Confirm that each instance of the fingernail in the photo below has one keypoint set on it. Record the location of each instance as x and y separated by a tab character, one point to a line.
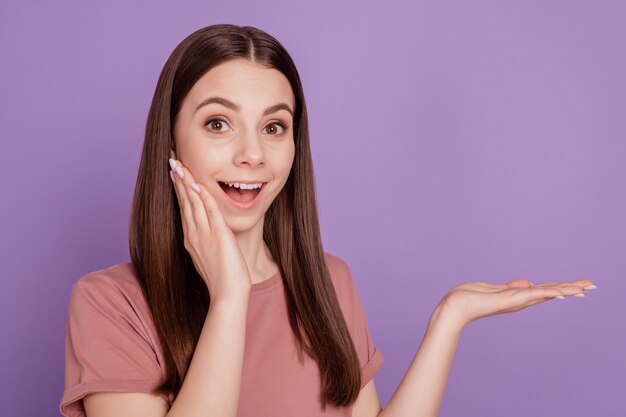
180	172
172	175
579	295
590	287
172	163
195	187
560	296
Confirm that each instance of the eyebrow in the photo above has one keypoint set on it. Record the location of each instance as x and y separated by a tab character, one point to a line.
236	107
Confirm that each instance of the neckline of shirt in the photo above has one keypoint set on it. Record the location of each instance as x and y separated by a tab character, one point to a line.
266	285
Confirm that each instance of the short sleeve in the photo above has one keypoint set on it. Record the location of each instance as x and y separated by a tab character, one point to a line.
106	345
370	356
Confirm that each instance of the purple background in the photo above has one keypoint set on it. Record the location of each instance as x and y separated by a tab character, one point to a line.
453	141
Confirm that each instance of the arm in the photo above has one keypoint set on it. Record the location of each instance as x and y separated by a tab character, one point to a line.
216	368
421	390
217	363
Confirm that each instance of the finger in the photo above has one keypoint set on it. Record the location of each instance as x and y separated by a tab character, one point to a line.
580	283
523	305
571	290
531	303
514	297
578	288
186	211
489	287
537	292
215	215
173	176
198	210
482	286
551	284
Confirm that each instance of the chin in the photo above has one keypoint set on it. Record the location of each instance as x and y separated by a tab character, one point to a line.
240	224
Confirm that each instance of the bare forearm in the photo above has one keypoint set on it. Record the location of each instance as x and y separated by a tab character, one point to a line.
212	384
421	390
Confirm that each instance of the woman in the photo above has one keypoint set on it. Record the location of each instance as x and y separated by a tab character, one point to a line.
228	279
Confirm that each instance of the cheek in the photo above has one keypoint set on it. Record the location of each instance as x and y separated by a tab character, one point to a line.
204	165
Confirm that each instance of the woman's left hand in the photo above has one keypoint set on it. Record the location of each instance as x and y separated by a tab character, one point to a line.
473	300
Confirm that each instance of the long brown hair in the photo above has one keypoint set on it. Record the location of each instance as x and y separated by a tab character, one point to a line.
176	294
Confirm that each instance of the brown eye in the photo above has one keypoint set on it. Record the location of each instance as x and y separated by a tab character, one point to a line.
217	122
279	123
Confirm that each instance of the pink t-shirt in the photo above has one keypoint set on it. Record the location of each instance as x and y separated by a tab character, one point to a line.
112	345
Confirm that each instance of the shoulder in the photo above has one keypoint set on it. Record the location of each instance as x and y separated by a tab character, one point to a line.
111	290
110	301
111	343
341	276
334	261
115	279
338	268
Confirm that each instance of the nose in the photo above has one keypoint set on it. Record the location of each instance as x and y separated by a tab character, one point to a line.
250	150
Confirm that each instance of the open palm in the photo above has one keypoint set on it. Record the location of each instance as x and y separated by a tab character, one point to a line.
473	300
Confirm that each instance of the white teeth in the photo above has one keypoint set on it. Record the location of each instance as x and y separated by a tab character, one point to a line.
244	186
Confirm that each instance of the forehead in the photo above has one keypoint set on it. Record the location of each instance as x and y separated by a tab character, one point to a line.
252	85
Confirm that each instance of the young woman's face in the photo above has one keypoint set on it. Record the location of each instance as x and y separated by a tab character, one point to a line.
219	143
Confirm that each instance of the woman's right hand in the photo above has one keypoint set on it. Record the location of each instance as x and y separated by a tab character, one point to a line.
208	239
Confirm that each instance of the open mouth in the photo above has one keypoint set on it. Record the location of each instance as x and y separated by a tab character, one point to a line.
240	195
